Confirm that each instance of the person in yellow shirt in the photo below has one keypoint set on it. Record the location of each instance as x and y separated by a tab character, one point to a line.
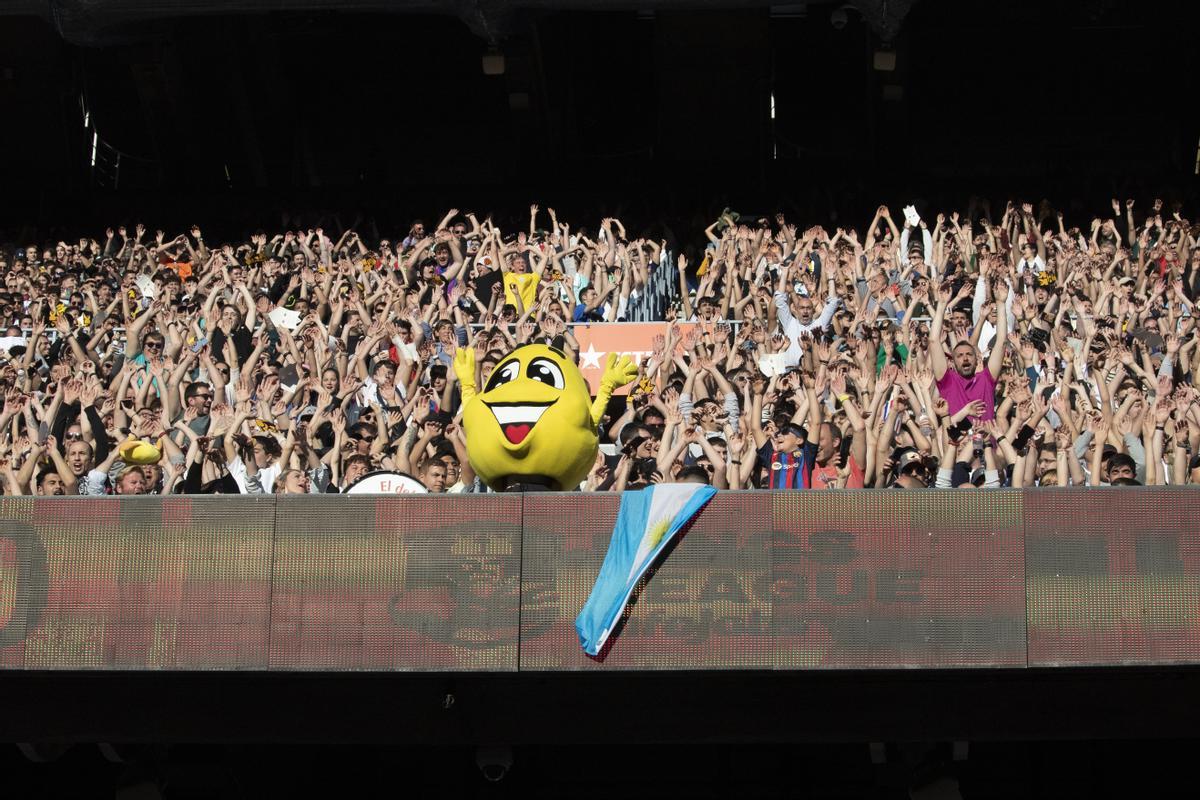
521	282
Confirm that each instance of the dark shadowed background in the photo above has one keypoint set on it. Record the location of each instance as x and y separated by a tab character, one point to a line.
230	114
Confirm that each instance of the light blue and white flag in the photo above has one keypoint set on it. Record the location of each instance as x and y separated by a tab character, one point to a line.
646	523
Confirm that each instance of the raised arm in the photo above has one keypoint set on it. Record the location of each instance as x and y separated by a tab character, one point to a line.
937	356
996	357
617	373
681	264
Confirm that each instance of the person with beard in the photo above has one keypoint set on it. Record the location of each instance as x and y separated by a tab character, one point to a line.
828	467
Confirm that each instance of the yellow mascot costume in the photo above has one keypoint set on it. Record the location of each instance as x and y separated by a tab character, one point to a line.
533	422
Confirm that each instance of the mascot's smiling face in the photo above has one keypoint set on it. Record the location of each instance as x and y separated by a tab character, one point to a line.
533	418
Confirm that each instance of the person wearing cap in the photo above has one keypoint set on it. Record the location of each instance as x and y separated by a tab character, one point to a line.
910	469
788	455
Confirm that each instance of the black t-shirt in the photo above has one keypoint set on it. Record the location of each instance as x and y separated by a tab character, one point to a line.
241	343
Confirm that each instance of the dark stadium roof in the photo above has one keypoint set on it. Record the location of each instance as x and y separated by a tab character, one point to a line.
101	22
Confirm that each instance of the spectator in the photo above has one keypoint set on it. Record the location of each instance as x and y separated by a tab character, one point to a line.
961	351
965	381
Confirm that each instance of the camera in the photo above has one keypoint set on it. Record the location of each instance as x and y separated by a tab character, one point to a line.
494	761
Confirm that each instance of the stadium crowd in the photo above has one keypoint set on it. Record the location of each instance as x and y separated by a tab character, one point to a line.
955	350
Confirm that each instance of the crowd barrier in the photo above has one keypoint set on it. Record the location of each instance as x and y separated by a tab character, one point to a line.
761	580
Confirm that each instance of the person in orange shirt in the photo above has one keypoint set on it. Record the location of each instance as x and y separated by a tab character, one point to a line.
833	461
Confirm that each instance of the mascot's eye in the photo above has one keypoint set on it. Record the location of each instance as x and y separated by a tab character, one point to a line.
546	371
504	374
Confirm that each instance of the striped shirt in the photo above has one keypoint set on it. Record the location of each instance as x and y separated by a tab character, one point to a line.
789	470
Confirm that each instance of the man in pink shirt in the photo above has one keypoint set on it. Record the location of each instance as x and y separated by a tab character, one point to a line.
963	383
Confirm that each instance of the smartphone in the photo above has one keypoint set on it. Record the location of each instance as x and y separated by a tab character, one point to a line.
199	345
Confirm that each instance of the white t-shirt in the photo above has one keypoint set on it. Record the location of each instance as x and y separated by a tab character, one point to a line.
369	392
237	469
1038	264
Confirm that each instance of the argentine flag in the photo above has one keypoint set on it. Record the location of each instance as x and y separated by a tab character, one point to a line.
646	523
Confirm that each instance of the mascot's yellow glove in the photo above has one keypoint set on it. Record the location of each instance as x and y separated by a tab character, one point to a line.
617	373
464	369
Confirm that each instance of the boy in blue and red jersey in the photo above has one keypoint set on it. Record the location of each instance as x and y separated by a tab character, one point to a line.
789	458
788	455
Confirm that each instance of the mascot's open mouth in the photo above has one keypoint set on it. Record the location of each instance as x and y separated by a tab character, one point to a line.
517	419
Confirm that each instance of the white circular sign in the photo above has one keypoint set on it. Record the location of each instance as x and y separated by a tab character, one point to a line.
385	482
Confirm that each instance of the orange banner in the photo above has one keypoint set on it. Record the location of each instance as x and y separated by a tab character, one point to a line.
633	339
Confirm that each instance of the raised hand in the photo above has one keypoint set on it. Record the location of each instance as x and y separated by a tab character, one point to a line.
1059	403
13	402
1162	410
618	372
71	391
975	408
221	415
89	393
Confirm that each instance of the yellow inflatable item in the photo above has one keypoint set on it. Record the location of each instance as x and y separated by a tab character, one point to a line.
135	451
533	420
